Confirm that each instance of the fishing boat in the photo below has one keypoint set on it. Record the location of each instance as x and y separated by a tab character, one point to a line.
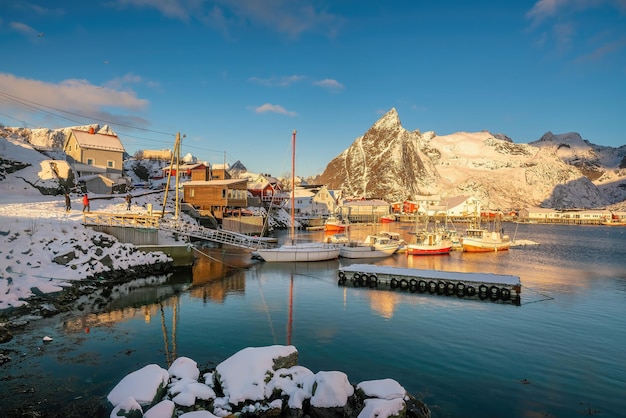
614	220
371	247
480	240
429	240
430	243
334	224
307	251
387	218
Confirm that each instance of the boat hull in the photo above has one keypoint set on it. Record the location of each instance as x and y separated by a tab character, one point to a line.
297	253
412	249
367	251
484	247
335	228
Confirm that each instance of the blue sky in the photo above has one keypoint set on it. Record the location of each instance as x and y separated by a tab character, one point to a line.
236	77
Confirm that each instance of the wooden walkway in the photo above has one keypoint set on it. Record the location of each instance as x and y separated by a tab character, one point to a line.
176	226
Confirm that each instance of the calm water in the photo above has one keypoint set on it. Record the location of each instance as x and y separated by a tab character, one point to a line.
560	353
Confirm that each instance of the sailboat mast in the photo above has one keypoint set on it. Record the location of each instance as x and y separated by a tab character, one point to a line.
293	184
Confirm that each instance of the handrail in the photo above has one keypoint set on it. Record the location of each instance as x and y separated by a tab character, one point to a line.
180	227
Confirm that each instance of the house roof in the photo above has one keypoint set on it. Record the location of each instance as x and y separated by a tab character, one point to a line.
98	141
227	182
182	167
455	201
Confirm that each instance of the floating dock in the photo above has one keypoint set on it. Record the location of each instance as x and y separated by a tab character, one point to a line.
495	287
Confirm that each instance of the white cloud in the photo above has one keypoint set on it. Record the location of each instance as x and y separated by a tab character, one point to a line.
268	107
285	81
282	16
175	9
329	84
22	28
24	97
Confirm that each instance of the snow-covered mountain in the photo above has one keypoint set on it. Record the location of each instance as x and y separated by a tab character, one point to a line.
558	171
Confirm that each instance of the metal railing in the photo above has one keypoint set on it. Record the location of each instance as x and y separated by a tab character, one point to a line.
176	226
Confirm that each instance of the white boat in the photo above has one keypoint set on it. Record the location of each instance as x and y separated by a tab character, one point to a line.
372	247
306	251
309	251
337	239
480	240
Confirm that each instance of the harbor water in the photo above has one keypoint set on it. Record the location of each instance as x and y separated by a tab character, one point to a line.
560	353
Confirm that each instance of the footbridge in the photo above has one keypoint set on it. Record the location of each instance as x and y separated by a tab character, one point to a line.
135	227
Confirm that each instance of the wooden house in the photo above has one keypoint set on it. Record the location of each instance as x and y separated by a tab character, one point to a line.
193	171
97	160
267	188
323	202
216	197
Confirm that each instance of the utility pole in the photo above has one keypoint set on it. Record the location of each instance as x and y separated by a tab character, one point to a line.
175	156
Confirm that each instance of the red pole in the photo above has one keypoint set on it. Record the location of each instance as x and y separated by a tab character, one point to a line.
293	184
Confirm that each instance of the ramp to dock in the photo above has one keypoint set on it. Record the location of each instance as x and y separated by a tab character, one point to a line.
216	235
106	222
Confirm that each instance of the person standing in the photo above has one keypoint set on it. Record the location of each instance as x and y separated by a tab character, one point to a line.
86	203
68	202
129	200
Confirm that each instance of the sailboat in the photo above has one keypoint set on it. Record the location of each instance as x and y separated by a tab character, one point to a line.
308	251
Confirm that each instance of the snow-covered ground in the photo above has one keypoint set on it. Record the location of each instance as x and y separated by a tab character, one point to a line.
250	381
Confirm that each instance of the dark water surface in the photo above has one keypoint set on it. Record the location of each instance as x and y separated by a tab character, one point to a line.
561	353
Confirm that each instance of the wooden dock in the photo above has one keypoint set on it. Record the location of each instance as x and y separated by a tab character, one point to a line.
484	286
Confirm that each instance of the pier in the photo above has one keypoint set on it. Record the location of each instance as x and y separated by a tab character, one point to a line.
483	286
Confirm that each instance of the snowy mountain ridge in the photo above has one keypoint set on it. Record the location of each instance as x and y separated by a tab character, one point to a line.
558	171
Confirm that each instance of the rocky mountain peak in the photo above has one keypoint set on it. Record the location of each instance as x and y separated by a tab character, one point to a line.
556	171
389	121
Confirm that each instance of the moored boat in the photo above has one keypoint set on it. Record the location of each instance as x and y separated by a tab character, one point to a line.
372	247
429	243
477	240
310	251
334	224
388	218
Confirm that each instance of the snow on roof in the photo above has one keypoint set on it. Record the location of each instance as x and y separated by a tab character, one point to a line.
98	141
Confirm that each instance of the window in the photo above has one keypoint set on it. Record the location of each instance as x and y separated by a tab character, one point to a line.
110	164
223	193
89	161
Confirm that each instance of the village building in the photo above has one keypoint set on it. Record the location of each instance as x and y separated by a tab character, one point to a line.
267	188
219	172
215	197
303	205
188	171
162	155
461	207
97	159
572	216
364	210
323	202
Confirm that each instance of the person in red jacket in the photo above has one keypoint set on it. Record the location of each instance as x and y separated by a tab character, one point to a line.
86	203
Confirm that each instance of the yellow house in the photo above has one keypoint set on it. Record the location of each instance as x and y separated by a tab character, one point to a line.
94	153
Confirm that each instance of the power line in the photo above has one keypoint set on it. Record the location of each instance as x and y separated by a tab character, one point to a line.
32	104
